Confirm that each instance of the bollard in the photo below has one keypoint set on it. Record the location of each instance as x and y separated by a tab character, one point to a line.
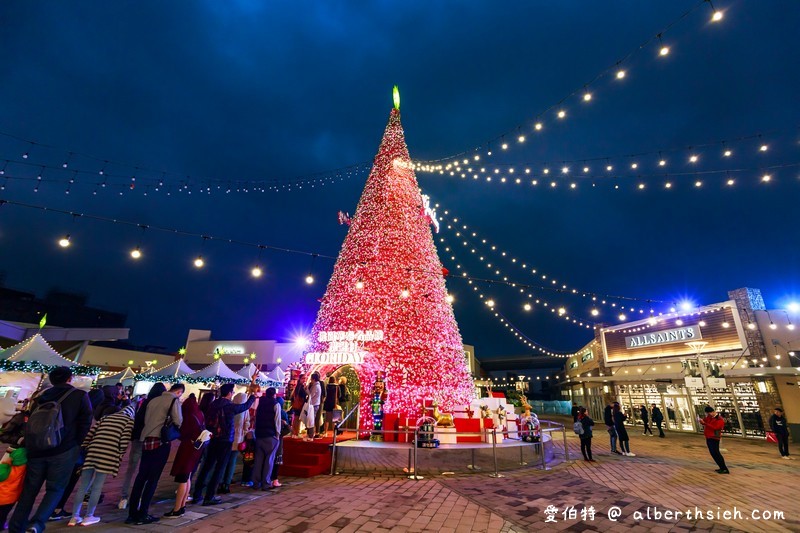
541	450
521	457
494	453
566	449
414	475
473	466
333	452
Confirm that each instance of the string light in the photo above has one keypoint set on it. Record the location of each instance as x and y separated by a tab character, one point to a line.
309	279
198	262
256	272
136	253
65	241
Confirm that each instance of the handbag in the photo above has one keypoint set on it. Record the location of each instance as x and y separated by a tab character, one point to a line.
169	431
772	437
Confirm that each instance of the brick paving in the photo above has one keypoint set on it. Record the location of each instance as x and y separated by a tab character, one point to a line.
374	493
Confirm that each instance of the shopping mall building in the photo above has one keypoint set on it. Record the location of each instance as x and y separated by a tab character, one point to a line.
735	355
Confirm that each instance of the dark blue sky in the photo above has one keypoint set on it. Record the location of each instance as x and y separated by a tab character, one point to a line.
258	90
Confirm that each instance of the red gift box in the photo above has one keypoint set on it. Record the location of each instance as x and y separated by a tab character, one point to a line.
390	423
405	424
468	425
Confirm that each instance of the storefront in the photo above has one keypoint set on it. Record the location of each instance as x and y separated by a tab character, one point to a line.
681	362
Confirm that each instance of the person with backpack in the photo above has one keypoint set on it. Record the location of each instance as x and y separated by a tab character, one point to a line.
658	419
105	446
60	419
713	424
586	424
162	412
12	475
219	421
268	435
622	434
135	447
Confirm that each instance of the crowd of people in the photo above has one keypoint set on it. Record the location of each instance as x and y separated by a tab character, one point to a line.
712	423
68	442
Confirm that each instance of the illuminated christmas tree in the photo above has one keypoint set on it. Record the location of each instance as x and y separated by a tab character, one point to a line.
386	302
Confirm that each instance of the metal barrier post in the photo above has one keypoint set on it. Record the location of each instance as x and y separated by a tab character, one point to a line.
541	450
333	451
473	466
521	457
414	476
494	453
566	449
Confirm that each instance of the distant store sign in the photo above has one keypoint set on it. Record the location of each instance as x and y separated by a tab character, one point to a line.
667	336
229	350
694	383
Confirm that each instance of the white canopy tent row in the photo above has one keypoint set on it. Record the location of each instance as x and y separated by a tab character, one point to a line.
127	377
24	366
265	380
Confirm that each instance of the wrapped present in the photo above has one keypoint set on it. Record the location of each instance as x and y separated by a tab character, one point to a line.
445	435
406	425
391	422
468	425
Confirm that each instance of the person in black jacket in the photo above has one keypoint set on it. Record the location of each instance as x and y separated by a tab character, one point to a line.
645	420
268	435
586	436
608	419
658	419
622	433
219	421
574	412
52	467
777	423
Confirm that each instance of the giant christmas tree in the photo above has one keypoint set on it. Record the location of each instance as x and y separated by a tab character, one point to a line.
386	308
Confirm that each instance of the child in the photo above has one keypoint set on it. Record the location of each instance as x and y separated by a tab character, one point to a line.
12	474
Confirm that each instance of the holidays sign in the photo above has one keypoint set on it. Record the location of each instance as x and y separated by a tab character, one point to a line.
667	336
344	347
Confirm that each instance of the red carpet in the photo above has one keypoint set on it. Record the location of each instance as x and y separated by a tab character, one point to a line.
308	459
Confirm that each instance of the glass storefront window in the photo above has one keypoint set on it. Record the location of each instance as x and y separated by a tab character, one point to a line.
748	409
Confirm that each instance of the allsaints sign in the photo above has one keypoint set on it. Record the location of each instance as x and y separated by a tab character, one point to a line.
667	336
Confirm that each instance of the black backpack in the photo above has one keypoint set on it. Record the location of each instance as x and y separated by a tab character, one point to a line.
45	425
215	421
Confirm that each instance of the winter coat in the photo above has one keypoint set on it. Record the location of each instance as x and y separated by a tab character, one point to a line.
76	413
619	425
241	422
222	411
658	417
138	420
107	441
12	476
778	424
109	405
332	393
188	456
268	419
712	427
587	424
608	418
644	414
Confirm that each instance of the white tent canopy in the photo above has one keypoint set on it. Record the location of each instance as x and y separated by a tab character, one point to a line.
174	370
126	375
216	371
247	372
35	350
277	374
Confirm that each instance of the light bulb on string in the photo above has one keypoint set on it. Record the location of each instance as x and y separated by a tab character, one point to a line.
359	284
309	279
199	262
136	253
65	241
256	272
450	298
621	74
405	293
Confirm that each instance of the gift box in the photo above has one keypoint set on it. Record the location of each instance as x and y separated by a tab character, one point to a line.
406	425
488	423
468	425
445	435
390	423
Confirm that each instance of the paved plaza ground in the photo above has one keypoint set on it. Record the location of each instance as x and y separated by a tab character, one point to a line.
374	494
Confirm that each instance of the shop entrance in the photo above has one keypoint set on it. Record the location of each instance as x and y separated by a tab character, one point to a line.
353	386
678	413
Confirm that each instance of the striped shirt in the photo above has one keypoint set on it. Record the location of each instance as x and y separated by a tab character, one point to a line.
107	441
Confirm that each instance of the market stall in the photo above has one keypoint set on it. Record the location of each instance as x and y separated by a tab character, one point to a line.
172	373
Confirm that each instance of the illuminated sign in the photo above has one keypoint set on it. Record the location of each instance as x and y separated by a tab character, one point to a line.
667	336
344	347
229	350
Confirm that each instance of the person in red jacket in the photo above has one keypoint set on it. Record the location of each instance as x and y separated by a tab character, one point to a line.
712	429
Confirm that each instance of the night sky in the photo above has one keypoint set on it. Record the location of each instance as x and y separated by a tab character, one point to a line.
251	90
